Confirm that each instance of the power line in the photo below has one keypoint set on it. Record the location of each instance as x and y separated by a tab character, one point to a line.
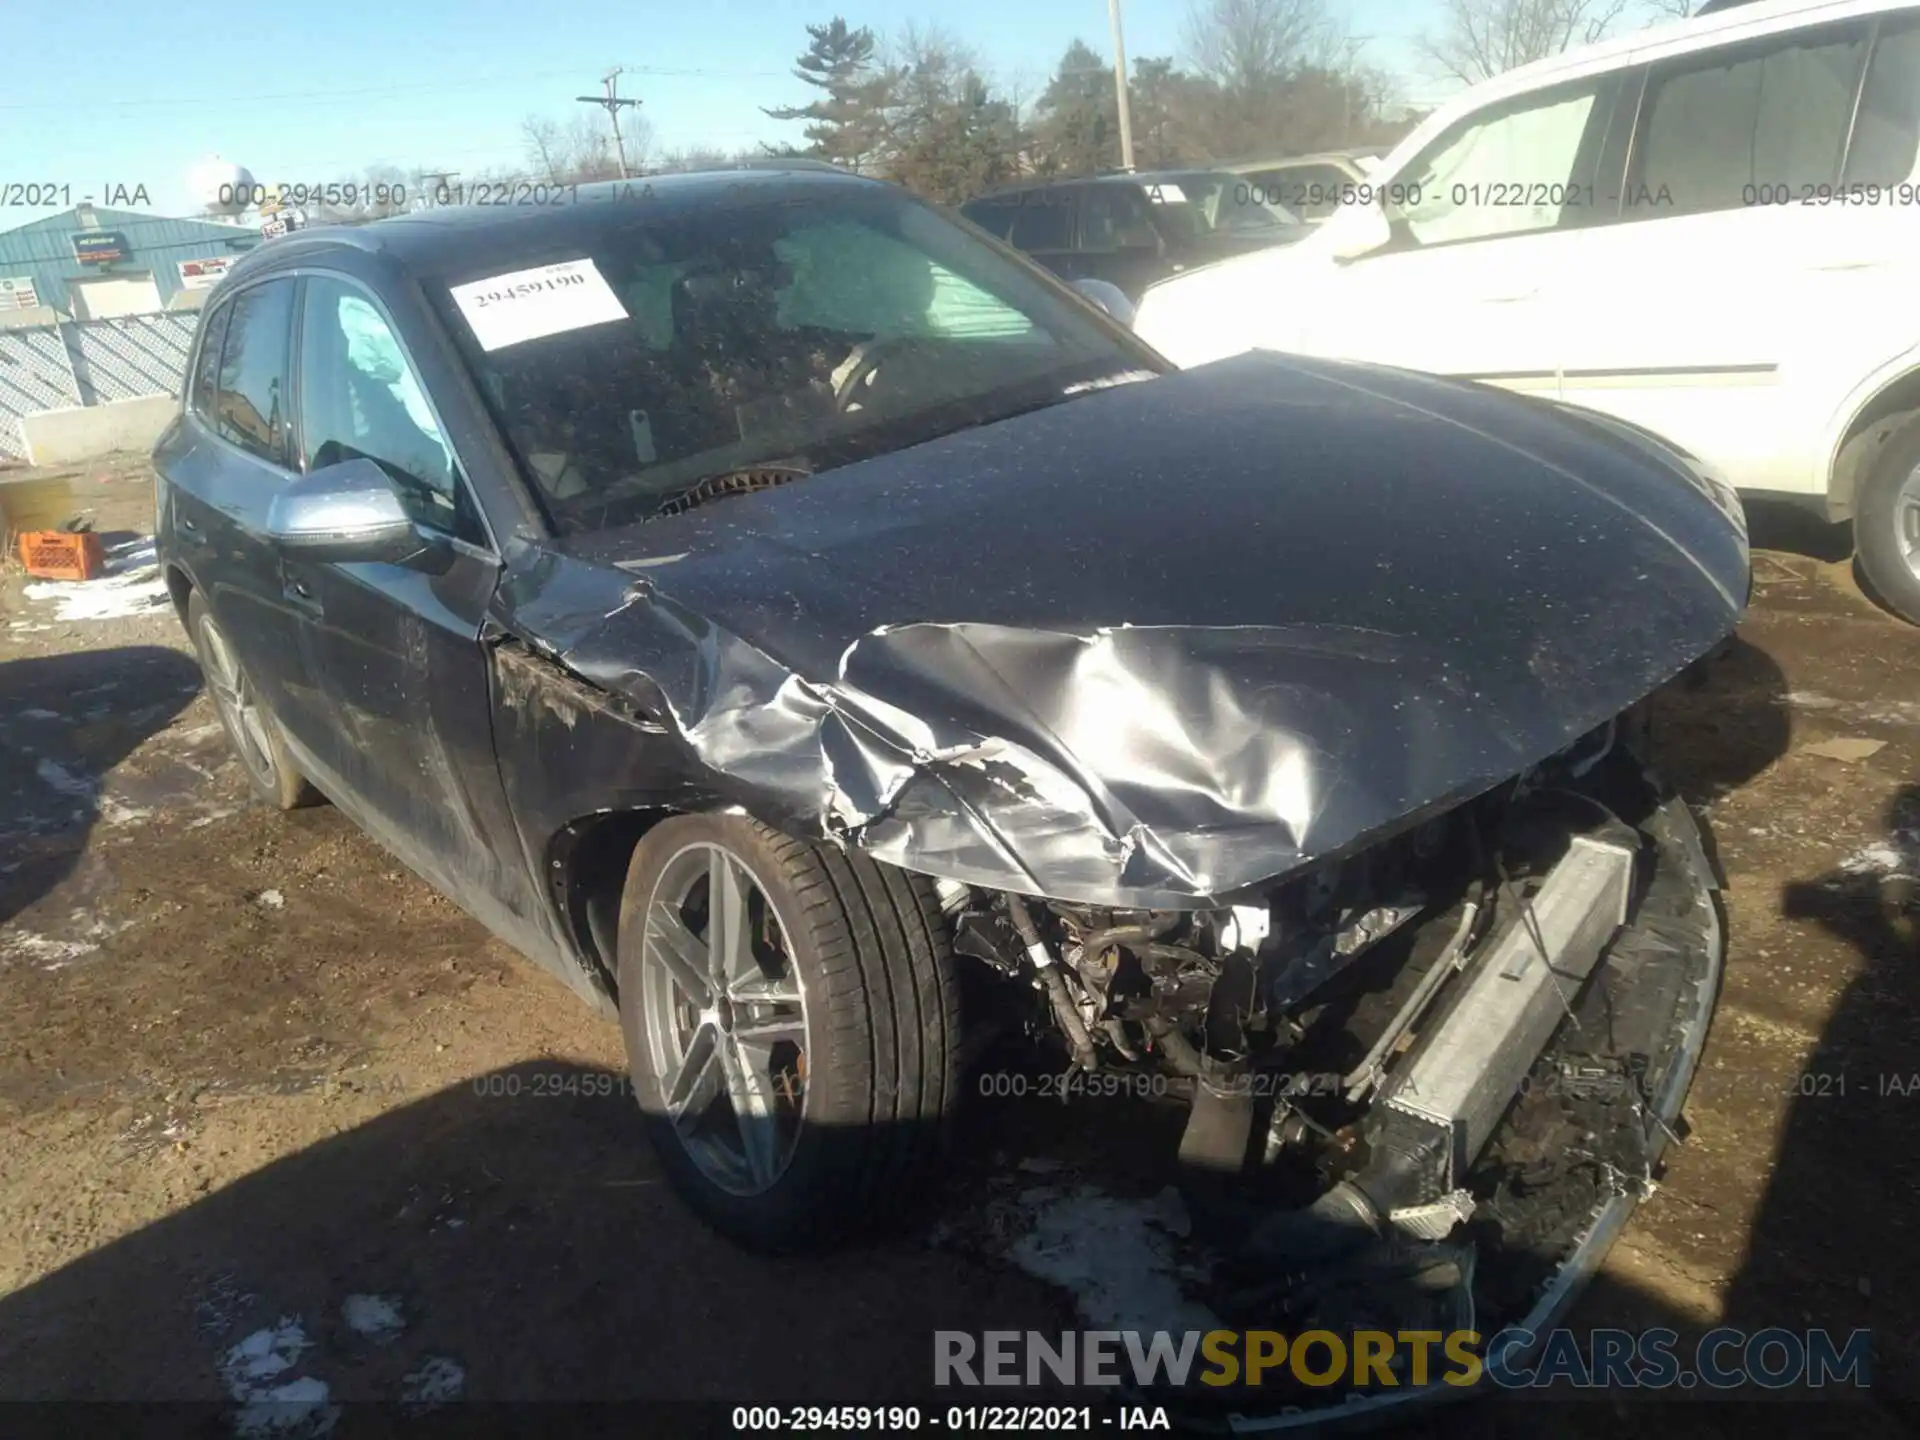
466	84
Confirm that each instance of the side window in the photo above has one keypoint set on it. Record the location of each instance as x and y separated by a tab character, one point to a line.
1732	128
1886	133
993	216
250	397
1525	166
1044	221
360	399
1114	217
206	371
1310	191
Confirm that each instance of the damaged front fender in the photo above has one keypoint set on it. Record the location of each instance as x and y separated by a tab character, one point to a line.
1027	709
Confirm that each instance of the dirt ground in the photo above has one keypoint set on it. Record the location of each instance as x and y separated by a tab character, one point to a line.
258	1081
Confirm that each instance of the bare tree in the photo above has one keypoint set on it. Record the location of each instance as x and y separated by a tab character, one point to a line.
1482	38
545	146
1658	10
582	149
1245	45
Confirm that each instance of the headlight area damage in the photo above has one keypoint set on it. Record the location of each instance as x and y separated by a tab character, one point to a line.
1400	906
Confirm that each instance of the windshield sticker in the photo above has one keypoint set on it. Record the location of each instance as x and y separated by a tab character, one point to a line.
1165	194
527	304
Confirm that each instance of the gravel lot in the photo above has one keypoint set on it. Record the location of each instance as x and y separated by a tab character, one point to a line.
272	1113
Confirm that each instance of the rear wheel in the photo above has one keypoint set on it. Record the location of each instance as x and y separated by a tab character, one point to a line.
251	729
792	1027
1886	524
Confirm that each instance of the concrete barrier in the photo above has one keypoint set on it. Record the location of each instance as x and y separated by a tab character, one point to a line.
86	432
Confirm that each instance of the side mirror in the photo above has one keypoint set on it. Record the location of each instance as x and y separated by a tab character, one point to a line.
1109	297
344	514
1356	230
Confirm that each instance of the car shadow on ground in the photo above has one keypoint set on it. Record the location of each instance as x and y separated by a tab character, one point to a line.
522	1231
66	722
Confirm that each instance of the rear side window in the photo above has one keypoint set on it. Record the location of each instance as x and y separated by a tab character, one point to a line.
1746	126
206	371
250	401
1886	133
993	216
1114	217
1044	221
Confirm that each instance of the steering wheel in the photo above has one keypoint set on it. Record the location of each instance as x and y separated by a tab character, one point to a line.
867	357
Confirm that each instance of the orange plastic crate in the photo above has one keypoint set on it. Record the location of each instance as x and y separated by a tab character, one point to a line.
60	555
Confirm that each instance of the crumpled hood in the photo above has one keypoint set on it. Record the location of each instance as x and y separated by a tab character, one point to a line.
1167	640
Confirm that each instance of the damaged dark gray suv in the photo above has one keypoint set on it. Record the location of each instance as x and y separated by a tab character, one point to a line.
784	613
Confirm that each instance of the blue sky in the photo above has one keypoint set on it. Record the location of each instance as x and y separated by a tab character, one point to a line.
127	92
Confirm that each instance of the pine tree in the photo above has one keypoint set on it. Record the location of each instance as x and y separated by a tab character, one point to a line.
1077	118
847	124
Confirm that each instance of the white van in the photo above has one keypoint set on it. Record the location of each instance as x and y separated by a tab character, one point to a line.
1710	229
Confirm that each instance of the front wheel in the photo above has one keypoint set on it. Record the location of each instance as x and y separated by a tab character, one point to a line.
792	1026
1886	524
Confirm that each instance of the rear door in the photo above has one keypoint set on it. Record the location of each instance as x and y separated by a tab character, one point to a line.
397	647
1765	255
224	466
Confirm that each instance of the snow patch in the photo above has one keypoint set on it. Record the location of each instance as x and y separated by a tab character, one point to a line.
270	1406
274	900
1898	856
44	950
434	1383
38	714
377	1317
131	586
63	781
1118	1258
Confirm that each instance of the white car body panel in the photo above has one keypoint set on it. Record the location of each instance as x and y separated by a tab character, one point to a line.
1749	336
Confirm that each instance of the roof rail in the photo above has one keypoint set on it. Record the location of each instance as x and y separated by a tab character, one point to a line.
770	162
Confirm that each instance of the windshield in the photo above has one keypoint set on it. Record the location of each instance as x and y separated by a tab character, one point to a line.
1196	204
798	333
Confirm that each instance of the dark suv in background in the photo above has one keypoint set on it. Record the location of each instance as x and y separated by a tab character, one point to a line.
1133	229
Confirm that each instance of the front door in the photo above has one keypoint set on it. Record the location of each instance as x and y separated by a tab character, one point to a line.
1476	280
397	647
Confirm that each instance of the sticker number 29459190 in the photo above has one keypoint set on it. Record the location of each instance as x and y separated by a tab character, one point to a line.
546	300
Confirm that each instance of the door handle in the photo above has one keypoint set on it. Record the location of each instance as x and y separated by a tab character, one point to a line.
1508	297
299	595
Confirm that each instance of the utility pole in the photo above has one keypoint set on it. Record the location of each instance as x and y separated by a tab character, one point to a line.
444	185
1347	78
1120	87
612	104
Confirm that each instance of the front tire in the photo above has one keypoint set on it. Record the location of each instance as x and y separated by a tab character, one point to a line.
792	1027
1886	524
252	732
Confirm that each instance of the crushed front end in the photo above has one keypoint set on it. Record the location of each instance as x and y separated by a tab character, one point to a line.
1427	1080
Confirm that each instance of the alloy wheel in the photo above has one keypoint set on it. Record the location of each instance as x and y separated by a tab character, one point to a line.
1906	512
239	707
726	1019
